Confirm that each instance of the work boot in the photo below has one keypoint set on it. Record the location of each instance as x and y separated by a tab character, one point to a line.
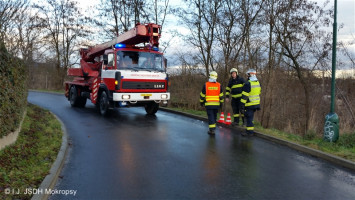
244	134
211	132
250	133
235	124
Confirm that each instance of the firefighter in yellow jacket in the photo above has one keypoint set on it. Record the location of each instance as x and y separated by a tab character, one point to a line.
250	100
211	97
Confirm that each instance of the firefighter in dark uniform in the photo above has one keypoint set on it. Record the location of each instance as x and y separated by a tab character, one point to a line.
250	100
211	97
234	89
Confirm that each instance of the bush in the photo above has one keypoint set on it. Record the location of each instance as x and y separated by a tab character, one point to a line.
310	135
347	140
13	91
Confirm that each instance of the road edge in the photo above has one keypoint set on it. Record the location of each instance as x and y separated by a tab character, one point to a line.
313	152
51	179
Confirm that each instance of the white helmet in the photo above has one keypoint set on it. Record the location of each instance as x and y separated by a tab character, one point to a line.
233	70
251	72
213	75
252	75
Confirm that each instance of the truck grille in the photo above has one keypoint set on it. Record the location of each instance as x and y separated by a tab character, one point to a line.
143	85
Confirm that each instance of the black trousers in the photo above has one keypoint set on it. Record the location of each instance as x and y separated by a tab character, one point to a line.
212	116
249	115
235	106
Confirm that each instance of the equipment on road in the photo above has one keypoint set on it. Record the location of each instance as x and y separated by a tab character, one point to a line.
126	71
229	120
221	118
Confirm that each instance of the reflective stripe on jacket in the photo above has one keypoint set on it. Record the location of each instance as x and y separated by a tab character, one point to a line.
251	94
211	94
234	87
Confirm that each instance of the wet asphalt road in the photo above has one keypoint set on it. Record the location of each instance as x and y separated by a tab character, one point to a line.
130	155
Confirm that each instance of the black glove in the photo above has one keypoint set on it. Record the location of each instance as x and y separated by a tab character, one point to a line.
202	104
221	105
258	109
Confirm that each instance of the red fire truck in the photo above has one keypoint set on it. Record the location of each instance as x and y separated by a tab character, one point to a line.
126	71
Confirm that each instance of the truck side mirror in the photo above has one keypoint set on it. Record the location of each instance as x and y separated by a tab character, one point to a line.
165	63
105	59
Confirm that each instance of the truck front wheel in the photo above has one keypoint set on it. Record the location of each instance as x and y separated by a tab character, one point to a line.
151	108
104	103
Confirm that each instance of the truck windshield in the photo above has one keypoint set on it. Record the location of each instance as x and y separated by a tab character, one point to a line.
140	61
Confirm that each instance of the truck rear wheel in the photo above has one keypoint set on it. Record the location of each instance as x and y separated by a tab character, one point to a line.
73	96
104	104
82	102
75	99
151	108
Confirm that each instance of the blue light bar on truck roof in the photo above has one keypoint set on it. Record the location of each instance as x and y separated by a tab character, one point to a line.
119	45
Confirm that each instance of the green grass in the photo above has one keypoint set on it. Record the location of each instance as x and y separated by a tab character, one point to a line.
201	113
26	163
344	147
44	90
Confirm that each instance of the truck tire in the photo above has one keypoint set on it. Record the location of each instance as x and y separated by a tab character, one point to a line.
104	104
151	108
75	99
82	102
73	96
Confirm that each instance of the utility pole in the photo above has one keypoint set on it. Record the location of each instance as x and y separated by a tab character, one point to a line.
331	126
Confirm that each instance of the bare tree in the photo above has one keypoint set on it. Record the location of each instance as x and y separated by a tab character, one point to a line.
118	16
273	61
350	55
63	26
230	33
201	20
251	10
10	11
298	28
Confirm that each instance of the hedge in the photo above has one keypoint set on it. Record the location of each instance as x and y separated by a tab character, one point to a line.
13	91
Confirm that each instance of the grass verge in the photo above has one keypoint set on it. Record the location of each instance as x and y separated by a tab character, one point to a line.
45	90
344	147
26	163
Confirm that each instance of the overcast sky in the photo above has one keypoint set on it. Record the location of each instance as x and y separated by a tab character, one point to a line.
345	17
346	13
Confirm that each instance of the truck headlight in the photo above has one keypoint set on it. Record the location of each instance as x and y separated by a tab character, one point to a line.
126	96
164	96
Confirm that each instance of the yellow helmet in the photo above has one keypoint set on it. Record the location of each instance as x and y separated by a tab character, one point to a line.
213	75
233	70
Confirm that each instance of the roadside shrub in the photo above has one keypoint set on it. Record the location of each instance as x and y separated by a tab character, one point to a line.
13	91
310	135
347	140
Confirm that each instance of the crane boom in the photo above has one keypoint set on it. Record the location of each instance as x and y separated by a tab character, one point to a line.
141	33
